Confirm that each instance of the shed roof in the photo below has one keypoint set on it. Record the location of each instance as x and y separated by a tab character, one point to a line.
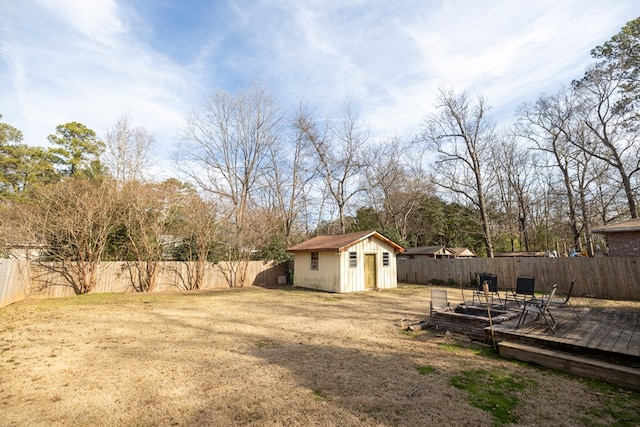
340	242
631	225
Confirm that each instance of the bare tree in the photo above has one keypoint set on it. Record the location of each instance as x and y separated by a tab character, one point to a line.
396	185
555	126
128	149
340	157
194	223
287	183
144	228
515	167
612	124
226	152
73	221
461	135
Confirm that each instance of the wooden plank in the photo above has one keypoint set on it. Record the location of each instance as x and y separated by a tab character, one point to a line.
610	331
616	374
572	338
598	329
633	345
622	343
623	330
570	331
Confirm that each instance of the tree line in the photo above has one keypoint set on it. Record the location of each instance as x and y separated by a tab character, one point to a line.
253	178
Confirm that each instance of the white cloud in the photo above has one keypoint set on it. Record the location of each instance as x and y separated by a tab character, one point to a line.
77	61
96	20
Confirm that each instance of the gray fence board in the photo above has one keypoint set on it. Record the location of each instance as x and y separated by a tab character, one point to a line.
602	277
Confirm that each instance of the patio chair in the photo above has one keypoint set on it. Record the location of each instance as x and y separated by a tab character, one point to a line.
478	291
541	308
439	299
525	286
564	302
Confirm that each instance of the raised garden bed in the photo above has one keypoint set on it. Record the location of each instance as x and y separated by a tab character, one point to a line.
469	320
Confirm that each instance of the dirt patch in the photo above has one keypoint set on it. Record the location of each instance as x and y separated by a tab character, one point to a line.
261	357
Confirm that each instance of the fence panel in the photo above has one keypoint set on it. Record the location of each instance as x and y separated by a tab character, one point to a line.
606	277
602	277
20	279
14	281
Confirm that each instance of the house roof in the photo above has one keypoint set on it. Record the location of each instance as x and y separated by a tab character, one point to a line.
340	242
631	225
462	252
519	254
428	250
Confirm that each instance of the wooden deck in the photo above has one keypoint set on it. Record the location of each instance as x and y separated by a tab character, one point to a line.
605	344
608	334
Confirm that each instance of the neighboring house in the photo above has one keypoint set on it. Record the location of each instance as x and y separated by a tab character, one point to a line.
28	251
623	239
346	262
427	252
462	253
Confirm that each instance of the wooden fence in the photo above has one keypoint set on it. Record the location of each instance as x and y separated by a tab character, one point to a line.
14	275
607	277
600	277
22	279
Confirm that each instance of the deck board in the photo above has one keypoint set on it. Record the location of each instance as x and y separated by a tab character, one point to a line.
610	330
633	344
626	334
593	325
608	333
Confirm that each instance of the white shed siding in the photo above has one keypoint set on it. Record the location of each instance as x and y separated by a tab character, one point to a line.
352	277
385	276
334	273
325	278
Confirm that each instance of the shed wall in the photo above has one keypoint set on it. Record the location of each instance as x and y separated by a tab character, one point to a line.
386	277
325	278
334	273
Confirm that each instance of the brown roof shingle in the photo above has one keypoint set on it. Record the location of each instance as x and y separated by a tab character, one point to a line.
340	242
631	225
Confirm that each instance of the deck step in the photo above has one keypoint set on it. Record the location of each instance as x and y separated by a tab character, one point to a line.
612	373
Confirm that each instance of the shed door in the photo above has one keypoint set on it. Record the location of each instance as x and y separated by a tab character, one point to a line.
370	271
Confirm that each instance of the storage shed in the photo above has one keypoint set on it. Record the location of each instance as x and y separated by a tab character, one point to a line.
346	262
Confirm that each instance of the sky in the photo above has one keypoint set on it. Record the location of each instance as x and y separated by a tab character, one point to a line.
158	60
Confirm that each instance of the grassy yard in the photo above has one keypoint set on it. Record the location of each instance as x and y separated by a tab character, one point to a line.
273	357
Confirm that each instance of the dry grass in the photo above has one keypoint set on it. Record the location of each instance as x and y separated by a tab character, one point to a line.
263	357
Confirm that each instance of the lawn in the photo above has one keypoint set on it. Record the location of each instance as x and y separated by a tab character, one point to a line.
259	357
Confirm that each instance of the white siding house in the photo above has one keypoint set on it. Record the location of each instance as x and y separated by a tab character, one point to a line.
346	262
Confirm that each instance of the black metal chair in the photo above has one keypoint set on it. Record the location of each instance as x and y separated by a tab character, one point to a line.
525	287
492	282
564	302
541	308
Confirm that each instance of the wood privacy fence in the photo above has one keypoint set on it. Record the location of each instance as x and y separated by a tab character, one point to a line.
601	277
21	279
607	277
